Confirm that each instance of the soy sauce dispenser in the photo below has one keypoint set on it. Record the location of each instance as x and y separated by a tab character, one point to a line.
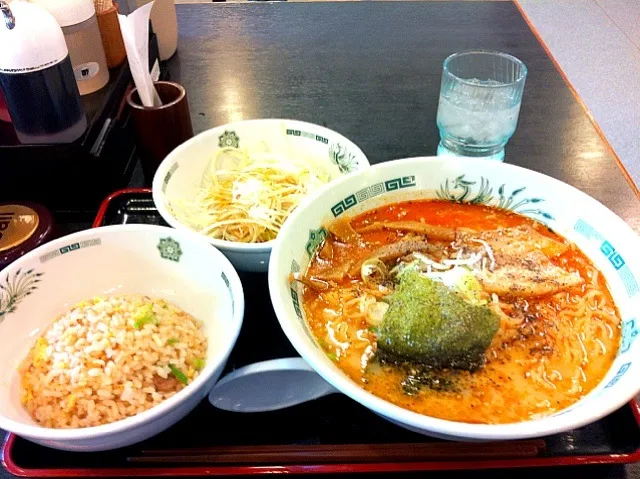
36	76
79	24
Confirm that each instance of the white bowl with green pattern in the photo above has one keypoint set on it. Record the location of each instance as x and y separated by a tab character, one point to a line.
180	174
605	238
147	260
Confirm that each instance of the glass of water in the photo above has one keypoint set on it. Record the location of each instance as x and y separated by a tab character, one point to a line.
479	103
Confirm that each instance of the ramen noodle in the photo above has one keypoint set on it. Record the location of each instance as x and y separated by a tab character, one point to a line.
462	312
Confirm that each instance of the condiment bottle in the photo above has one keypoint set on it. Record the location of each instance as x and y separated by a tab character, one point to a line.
112	41
36	76
82	34
165	26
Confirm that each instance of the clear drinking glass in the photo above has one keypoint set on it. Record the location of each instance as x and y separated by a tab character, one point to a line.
479	103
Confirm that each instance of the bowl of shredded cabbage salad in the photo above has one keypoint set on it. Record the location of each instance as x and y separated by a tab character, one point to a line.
236	184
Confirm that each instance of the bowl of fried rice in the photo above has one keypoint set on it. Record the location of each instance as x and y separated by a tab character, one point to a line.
110	336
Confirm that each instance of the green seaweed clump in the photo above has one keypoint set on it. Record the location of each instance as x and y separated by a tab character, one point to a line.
430	324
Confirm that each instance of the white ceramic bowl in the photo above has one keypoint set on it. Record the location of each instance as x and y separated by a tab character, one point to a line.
137	259
606	239
180	174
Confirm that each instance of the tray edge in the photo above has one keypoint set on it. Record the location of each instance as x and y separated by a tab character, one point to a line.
104	206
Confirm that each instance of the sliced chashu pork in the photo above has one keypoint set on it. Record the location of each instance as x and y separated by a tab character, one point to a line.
385	253
522	266
518	240
531	274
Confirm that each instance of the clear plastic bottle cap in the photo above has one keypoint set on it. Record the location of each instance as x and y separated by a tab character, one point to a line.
68	12
34	43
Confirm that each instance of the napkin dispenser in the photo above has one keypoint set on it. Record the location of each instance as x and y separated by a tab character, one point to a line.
76	177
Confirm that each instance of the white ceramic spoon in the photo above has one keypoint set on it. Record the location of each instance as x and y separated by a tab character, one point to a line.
269	386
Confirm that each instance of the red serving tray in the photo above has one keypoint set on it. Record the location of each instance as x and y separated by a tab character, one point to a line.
119	201
381	467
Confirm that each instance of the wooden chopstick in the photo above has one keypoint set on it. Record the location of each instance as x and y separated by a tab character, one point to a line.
282	454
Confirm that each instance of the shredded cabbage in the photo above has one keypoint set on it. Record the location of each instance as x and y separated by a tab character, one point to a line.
246	197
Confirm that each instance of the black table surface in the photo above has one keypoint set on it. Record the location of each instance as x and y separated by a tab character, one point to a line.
371	71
